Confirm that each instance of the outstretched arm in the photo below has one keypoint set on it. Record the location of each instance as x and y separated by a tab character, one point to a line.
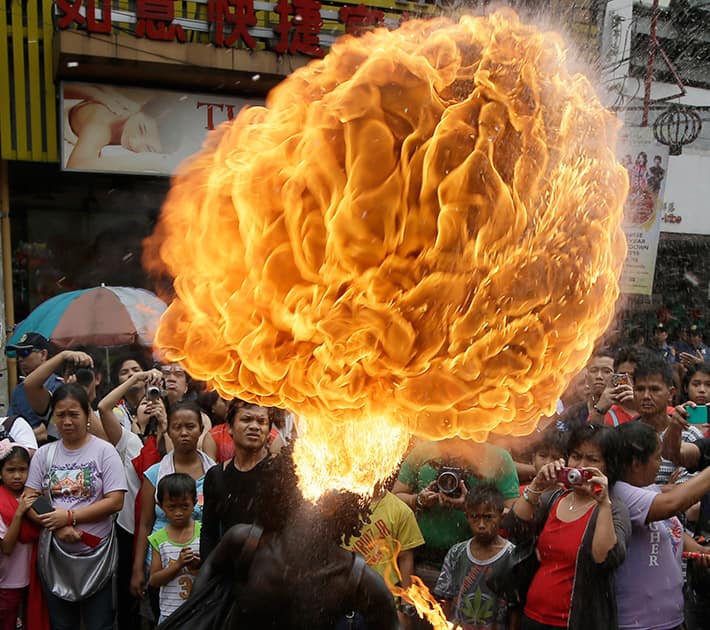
38	397
221	562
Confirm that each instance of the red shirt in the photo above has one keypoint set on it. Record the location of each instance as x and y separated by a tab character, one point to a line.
550	594
223	440
621	416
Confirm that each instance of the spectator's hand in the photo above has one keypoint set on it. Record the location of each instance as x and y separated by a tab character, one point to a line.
455	502
138	584
54	520
675	476
187	556
597	487
547	476
624	393
157	411
25	502
150	377
606	399
429	496
679	417
688	359
194	564
67	534
78	359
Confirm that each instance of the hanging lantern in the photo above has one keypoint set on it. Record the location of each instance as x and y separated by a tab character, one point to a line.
677	126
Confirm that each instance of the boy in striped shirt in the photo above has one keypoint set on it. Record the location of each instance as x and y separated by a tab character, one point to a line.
176	547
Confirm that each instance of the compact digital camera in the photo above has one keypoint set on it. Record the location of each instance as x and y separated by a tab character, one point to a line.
152	393
574	476
449	479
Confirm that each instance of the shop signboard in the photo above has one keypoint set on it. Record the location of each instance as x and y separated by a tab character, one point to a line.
305	27
647	164
687	194
117	129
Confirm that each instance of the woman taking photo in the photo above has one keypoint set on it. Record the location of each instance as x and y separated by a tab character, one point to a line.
649	585
184	429
581	537
82	476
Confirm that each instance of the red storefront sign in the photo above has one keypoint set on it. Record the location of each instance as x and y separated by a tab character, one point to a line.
298	29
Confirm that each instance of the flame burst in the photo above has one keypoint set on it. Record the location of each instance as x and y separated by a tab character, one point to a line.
417	234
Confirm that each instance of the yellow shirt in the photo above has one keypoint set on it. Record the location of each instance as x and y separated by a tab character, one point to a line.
391	522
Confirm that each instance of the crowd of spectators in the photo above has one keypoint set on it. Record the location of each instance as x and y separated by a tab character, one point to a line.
132	498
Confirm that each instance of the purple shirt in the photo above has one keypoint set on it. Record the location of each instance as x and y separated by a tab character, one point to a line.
79	478
649	584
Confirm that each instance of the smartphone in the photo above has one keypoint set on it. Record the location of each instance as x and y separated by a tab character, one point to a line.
42	505
619	379
697	415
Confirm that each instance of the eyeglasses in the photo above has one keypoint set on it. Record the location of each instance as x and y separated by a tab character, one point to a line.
23	353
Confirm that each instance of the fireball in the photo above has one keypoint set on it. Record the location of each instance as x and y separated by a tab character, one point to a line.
418	234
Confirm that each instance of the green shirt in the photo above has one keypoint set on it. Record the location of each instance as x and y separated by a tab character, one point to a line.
442	526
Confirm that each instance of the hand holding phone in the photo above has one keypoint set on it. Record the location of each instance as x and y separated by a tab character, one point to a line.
42	505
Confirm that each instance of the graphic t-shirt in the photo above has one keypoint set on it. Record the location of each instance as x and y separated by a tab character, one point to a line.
392	527
78	478
175	592
443	527
463	580
649	584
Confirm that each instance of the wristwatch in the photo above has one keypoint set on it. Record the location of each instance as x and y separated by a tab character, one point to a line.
528	498
600	411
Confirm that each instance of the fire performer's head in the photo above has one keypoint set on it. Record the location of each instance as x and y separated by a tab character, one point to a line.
424	235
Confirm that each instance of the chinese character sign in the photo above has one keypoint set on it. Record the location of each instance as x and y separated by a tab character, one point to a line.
155	20
298	28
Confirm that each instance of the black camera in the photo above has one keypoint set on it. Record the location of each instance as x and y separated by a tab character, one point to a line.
449	480
152	393
84	376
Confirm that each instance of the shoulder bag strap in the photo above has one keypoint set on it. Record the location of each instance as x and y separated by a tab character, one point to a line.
248	550
356	572
48	461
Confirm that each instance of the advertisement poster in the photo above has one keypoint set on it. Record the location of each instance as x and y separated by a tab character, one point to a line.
687	193
115	129
647	164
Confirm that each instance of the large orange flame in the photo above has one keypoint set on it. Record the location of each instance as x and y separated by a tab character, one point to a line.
419	232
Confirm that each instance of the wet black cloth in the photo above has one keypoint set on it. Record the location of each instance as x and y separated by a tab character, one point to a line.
229	496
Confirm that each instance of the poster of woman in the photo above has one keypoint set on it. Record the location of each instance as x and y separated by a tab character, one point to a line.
643	206
115	129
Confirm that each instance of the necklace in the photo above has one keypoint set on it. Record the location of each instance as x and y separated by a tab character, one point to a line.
572	504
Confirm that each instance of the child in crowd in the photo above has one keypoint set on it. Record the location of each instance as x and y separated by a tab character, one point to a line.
175	559
16	534
550	446
468	565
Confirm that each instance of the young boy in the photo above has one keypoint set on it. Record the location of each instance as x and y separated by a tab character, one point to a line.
467	566
176	547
